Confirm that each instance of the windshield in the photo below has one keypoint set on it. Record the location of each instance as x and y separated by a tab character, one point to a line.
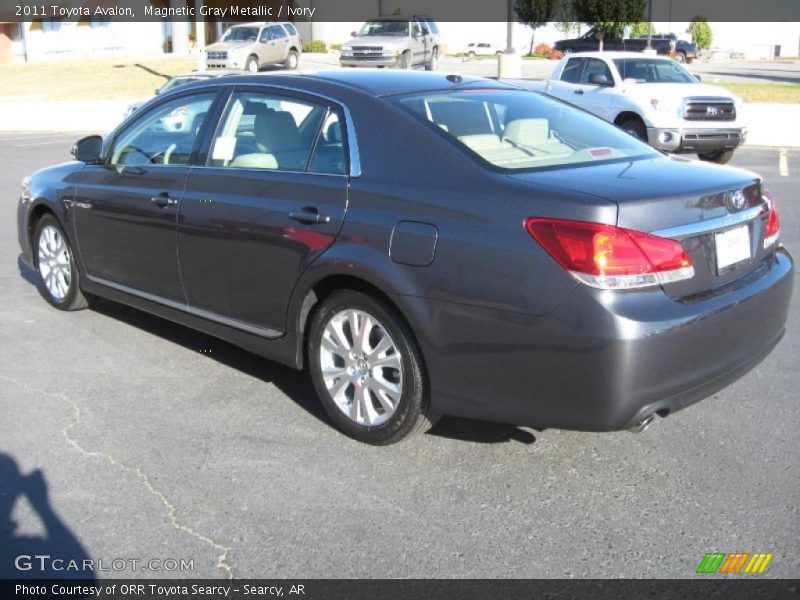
241	34
653	70
516	129
390	28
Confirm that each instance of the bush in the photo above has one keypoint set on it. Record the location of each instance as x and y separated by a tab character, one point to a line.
541	50
556	55
315	46
336	46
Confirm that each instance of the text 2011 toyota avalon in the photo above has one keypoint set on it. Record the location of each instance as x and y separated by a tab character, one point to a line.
425	245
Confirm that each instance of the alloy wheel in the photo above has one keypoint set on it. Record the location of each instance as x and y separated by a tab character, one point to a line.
55	262
361	366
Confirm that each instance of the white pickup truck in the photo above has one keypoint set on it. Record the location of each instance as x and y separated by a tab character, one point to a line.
653	98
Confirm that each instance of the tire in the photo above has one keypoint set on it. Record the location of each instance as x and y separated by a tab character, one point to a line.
292	60
373	408
434	61
680	57
58	278
405	60
721	157
636	128
470	54
251	65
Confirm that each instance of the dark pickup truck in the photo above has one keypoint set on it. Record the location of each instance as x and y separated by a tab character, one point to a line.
663	43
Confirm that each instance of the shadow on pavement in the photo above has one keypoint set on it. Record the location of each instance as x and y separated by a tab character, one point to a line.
18	553
294	384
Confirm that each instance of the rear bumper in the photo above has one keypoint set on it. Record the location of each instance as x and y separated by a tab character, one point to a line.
603	361
687	140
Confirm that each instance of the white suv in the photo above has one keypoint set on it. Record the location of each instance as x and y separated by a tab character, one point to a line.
249	47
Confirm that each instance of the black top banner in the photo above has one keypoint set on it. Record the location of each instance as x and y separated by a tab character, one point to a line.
361	10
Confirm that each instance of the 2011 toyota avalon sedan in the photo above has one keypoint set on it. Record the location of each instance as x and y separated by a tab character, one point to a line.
424	245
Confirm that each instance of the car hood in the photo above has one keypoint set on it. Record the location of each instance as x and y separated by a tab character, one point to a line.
677	90
376	40
217	46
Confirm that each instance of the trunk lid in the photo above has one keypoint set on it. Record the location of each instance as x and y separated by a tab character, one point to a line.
686	200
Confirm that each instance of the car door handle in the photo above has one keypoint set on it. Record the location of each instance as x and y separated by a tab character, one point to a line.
309	216
163	200
577	91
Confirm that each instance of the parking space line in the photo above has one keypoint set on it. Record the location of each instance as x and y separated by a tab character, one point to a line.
783	163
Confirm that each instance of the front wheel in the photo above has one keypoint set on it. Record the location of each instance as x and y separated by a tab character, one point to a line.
405	60
720	157
292	60
635	128
58	274
434	60
367	369
252	66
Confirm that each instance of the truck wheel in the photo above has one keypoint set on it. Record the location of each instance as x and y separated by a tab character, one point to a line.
720	157
680	57
252	66
405	60
634	127
292	60
470	54
434	61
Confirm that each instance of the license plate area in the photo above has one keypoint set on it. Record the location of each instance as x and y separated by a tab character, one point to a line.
733	247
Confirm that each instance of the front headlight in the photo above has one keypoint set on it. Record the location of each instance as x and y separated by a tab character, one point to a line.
347	52
668	106
26	183
392	53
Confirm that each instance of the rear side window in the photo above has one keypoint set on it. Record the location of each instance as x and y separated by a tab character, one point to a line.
272	132
514	129
432	26
276	32
572	72
290	29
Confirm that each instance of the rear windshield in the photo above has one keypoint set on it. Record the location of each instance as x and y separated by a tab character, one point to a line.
516	129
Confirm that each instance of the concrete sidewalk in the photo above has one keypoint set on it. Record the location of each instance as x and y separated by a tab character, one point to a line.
769	124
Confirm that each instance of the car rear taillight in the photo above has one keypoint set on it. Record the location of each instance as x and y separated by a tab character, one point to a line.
609	257
773	224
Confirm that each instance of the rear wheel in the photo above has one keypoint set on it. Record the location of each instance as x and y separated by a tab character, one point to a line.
59	281
680	57
720	157
434	60
634	127
292	60
367	369
252	66
470	54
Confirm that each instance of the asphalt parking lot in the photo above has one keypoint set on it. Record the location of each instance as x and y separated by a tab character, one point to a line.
157	442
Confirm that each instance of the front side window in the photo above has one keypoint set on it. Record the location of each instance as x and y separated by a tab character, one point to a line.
165	135
272	132
514	129
597	68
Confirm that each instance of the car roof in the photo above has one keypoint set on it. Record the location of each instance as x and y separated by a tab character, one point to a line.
614	55
372	82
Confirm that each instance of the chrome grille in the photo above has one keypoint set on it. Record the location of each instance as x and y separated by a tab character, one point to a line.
217	55
709	109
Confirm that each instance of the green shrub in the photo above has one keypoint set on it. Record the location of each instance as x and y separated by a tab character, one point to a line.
336	46
315	46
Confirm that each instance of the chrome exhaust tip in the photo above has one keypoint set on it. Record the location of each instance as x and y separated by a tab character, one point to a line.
643	424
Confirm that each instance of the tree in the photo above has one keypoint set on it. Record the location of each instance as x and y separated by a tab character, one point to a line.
535	13
641	29
701	32
609	17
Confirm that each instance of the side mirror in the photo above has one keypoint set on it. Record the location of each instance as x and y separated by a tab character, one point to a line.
426	31
158	91
599	79
88	149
